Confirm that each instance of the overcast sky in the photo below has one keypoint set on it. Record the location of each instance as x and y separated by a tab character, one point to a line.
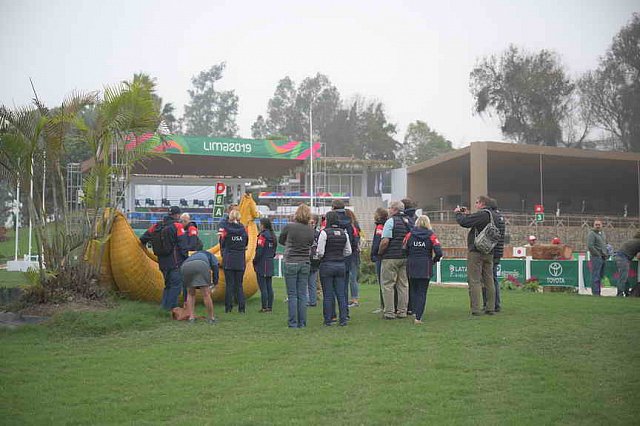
414	56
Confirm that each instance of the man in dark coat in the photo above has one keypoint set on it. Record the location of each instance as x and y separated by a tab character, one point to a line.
170	263
479	265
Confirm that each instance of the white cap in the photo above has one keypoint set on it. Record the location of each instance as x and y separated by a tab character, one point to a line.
532	237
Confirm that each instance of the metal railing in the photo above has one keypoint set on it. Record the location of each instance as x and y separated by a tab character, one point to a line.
563	220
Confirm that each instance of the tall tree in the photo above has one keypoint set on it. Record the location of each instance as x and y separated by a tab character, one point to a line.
324	99
375	136
281	109
612	91
422	143
530	94
288	109
259	128
211	112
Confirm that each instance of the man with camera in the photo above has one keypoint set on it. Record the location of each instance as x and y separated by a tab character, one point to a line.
479	265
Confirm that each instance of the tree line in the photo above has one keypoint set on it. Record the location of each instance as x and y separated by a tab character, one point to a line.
538	103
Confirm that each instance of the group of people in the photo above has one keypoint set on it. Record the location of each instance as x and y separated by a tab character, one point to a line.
332	252
599	252
173	239
404	250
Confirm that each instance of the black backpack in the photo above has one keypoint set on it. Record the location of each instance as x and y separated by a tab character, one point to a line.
161	240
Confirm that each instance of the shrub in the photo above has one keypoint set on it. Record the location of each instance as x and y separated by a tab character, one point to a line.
510	283
367	268
532	285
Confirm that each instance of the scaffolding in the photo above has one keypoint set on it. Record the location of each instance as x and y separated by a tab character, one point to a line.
74	186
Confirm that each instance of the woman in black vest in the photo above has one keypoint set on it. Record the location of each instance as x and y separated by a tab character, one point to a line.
423	251
233	241
380	217
263	263
333	248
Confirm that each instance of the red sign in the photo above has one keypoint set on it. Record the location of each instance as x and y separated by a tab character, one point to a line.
539	208
221	188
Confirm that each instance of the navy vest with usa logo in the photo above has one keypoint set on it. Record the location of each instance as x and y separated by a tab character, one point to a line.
234	241
401	227
334	248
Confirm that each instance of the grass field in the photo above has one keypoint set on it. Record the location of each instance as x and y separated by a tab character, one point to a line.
546	359
12	279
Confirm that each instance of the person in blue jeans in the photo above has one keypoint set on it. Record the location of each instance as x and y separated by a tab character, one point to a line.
598	250
297	238
173	233
333	248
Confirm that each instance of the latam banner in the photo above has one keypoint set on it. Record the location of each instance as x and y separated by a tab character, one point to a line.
453	271
555	272
511	267
225	147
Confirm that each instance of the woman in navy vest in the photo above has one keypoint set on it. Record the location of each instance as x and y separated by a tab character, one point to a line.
233	241
263	263
423	250
380	217
333	248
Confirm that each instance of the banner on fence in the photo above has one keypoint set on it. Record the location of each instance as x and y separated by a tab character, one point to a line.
453	271
610	278
512	267
555	272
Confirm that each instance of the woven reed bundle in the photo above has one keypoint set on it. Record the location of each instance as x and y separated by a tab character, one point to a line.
134	272
135	269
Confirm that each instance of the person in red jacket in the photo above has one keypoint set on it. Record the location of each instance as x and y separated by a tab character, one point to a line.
266	247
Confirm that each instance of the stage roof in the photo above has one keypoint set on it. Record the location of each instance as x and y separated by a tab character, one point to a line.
205	156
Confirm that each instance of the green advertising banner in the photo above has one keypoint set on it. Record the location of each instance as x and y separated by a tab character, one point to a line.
555	272
610	274
512	267
453	271
226	147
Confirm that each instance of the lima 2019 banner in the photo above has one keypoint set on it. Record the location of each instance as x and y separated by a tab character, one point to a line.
225	147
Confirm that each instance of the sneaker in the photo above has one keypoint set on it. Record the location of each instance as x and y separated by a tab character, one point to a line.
191	320
353	303
263	310
417	321
211	321
388	317
401	316
377	311
489	312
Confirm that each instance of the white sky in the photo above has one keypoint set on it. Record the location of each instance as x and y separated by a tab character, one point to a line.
414	56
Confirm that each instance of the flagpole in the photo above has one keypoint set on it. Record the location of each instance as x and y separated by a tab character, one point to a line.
311	189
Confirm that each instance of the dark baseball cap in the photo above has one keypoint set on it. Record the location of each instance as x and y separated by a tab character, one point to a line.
174	210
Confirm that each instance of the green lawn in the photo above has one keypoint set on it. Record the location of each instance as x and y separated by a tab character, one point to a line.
546	359
8	247
12	279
